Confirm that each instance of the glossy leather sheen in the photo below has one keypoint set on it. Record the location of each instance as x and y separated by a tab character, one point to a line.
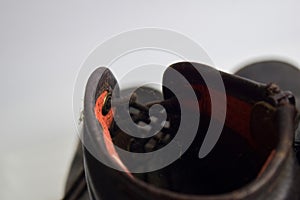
279	181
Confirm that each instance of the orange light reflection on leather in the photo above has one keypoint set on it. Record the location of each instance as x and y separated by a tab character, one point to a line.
106	122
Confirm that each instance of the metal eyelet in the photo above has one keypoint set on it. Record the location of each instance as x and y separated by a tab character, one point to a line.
106	104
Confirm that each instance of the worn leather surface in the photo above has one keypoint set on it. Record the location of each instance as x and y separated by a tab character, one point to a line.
285	184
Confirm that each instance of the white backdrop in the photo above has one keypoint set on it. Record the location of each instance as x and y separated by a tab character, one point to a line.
43	44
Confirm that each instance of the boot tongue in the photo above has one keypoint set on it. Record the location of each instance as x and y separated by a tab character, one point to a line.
235	151
236	112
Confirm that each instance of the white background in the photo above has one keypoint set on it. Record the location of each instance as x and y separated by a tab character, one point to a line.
43	44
